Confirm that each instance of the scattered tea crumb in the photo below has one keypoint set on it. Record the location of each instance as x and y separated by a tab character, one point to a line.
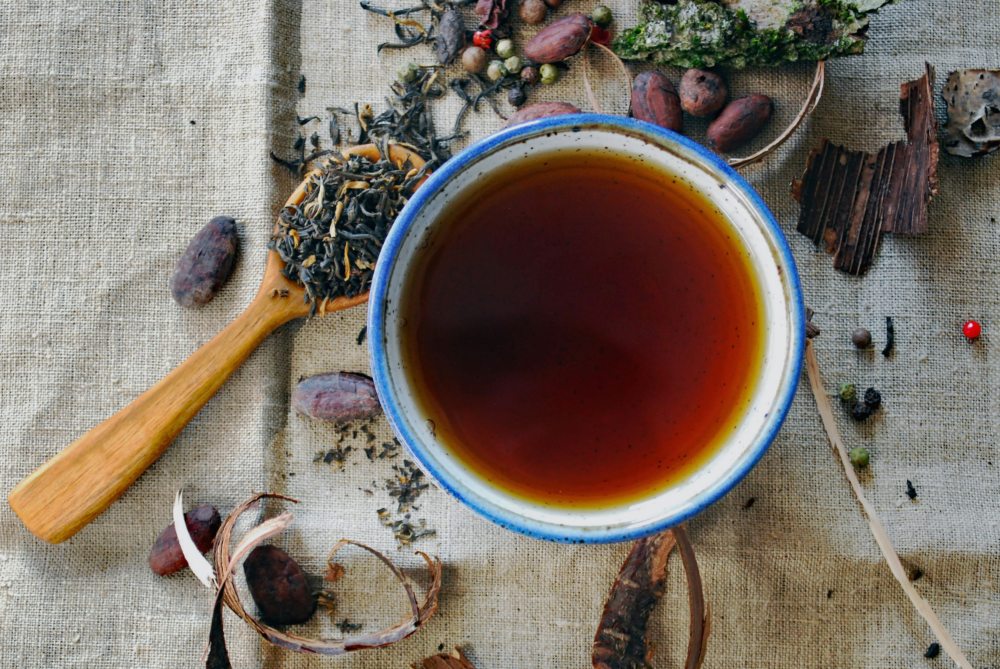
406	486
749	502
362	334
890	337
302	120
338	454
911	492
404	530
302	84
812	330
192	122
829	594
346	625
389	450
440	647
916	574
933	650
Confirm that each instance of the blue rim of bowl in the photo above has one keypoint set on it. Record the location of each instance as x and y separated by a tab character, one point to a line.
488	510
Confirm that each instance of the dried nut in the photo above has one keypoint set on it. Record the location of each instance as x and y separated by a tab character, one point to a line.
530	75
654	100
278	586
559	40
202	523
541	110
739	122
474	59
336	397
206	263
861	338
532	12
702	93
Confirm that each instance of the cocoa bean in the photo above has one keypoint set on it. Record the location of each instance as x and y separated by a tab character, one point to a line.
278	586
654	100
559	40
702	93
541	110
202	523
739	122
206	263
337	397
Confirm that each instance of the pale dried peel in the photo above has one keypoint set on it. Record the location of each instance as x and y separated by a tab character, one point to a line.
196	562
227	560
877	528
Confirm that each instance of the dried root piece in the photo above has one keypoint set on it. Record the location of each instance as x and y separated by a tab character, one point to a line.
874	523
973	100
850	198
227	559
621	639
453	660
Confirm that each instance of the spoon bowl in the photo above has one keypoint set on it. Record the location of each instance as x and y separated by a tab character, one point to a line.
77	484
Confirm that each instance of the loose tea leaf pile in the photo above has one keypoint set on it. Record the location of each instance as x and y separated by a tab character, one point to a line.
331	240
743	33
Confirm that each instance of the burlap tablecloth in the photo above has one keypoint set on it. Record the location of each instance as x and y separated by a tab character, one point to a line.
125	126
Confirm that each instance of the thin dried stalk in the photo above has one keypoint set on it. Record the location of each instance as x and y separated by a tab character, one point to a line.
812	99
227	560
586	77
621	639
877	528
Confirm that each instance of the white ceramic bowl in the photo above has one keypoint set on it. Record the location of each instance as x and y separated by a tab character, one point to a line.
784	337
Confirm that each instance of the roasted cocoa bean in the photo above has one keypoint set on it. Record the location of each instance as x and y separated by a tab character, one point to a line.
559	40
278	586
654	100
206	263
739	122
541	110
202	523
702	93
337	397
450	38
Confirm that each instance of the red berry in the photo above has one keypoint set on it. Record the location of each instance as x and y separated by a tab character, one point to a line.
599	35
483	38
972	330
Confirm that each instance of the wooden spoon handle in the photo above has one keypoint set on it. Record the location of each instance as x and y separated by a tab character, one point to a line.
76	485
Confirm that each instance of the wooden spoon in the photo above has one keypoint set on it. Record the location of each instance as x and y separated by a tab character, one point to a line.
75	486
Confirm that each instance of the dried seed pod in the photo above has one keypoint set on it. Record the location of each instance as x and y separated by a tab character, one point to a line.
278	586
559	40
202	523
532	12
337	397
541	110
702	93
450	36
739	122
206	263
654	100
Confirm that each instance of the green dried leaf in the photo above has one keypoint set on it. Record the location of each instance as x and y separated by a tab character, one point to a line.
742	33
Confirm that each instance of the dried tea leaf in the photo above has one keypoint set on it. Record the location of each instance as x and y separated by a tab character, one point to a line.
227	560
850	198
450	36
973	101
621	639
742	33
456	659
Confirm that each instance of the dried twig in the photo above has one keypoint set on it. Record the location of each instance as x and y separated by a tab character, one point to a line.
875	524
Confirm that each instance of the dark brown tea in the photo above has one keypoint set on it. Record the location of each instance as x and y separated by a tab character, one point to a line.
583	330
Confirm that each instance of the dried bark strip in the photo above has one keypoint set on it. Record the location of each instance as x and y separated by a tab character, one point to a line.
850	198
621	639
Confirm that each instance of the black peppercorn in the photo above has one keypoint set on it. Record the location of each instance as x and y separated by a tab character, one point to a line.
860	411
515	96
861	338
873	399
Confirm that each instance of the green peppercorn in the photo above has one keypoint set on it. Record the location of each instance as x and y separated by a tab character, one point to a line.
529	75
549	73
505	48
513	65
860	457
408	73
496	70
602	16
847	392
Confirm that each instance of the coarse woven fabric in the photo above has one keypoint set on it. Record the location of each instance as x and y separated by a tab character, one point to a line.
126	126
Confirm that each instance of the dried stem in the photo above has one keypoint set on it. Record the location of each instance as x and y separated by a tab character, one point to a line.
877	528
812	99
586	76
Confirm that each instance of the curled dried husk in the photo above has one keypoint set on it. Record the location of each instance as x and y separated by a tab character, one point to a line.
228	558
621	639
973	100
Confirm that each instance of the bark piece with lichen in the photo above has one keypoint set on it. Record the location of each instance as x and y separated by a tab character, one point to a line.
742	33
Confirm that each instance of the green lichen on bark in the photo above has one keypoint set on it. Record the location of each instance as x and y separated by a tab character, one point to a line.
742	33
